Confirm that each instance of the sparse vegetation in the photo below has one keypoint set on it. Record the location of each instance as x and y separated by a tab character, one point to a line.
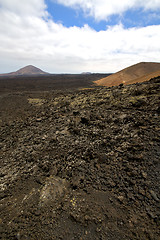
36	101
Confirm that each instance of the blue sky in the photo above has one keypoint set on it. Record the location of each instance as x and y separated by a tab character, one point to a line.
72	17
76	17
74	36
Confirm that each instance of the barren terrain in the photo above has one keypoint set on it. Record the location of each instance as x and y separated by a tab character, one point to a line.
139	72
77	161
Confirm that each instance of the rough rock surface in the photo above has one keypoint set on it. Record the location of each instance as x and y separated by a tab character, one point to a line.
81	164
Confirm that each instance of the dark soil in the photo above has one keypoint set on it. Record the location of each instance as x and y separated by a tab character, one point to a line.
48	82
80	164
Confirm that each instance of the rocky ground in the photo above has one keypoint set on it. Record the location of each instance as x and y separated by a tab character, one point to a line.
82	164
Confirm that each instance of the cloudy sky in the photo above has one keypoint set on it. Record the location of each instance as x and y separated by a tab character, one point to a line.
74	36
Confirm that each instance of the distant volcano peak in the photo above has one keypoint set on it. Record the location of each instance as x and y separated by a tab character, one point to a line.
29	70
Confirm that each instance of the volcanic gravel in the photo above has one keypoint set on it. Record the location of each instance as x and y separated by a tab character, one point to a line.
82	164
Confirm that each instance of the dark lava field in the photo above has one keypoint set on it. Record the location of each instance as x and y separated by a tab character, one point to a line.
79	162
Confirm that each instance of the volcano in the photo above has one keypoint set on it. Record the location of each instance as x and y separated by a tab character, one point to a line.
28	70
139	72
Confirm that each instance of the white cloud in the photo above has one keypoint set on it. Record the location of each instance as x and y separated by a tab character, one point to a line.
30	39
102	9
24	8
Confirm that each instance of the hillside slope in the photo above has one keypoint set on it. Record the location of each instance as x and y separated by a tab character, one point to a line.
136	73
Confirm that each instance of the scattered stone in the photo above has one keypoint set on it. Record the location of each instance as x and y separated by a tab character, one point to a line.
154	195
144	174
120	198
83	161
38	119
53	189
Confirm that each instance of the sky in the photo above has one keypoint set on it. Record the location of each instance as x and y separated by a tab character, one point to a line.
75	36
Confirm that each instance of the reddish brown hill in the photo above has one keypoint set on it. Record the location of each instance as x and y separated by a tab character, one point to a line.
139	72
28	70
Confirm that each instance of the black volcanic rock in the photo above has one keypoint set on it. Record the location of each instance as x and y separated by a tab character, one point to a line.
81	164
